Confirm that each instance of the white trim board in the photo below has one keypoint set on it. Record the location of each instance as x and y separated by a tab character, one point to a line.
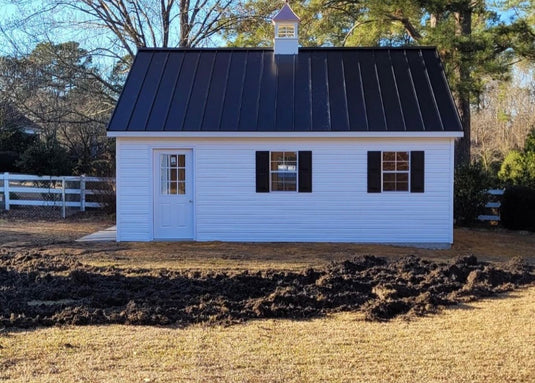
393	135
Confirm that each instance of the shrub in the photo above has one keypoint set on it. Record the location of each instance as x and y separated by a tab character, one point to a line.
518	208
8	161
518	167
471	185
13	142
46	158
13	139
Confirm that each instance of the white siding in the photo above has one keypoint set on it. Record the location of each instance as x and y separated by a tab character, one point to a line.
339	209
134	191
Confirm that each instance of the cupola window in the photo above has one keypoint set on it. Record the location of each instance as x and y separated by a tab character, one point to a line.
286	31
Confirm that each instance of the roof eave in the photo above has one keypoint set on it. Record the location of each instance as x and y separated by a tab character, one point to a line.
317	134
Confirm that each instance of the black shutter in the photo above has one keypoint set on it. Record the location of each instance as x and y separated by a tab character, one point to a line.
262	172
305	172
374	172
417	172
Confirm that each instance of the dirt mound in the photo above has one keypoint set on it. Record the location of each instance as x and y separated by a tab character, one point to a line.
42	290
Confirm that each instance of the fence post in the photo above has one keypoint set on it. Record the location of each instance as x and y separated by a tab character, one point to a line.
82	192
63	212
6	190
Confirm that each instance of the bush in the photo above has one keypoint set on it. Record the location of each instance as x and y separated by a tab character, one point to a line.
13	142
471	185
13	139
8	161
518	208
46	158
518	167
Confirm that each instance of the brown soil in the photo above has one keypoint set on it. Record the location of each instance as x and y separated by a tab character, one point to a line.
48	279
39	290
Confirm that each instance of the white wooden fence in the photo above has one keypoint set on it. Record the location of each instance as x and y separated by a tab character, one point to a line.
29	191
493	206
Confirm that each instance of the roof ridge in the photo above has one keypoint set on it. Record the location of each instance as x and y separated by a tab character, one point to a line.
208	49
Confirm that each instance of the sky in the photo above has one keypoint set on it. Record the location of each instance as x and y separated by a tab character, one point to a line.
19	42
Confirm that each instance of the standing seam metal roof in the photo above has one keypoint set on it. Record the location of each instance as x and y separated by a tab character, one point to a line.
319	89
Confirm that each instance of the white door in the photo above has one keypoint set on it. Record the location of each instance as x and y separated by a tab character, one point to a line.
173	194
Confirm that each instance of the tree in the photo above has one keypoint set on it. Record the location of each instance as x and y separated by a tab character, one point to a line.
119	27
521	32
55	86
12	130
46	157
73	98
14	140
518	168
467	33
502	119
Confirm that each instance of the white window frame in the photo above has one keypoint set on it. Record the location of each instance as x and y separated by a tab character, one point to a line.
286	31
282	171
396	171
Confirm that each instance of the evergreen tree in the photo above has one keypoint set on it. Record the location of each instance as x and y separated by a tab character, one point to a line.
468	35
57	87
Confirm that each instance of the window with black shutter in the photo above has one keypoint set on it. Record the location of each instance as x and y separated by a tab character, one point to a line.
284	171
399	171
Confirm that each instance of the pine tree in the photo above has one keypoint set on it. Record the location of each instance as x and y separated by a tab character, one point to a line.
468	34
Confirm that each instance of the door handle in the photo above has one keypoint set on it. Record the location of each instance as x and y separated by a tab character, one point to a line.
190	201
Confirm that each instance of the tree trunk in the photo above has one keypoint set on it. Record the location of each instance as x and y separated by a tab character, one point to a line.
185	26
462	148
463	28
434	19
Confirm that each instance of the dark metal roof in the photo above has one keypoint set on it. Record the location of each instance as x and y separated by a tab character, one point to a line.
319	89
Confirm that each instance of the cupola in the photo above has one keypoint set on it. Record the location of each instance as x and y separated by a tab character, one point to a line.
286	31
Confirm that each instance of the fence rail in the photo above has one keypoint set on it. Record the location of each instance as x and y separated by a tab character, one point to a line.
493	206
51	191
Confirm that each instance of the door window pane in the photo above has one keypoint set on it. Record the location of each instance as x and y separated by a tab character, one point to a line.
173	173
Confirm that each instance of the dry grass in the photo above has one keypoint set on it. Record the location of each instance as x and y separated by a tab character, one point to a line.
488	341
468	344
57	238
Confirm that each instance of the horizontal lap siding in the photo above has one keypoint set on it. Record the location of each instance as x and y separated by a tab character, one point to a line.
339	208
134	191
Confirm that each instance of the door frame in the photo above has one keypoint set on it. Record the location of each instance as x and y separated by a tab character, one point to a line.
156	183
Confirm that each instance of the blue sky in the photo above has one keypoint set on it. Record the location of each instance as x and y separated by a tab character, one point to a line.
88	39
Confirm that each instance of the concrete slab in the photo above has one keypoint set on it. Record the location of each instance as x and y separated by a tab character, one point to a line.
109	234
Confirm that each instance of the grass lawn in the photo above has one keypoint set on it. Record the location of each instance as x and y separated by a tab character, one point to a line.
486	341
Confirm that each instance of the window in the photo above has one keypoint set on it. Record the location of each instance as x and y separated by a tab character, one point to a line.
173	173
283	171
286	31
395	171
